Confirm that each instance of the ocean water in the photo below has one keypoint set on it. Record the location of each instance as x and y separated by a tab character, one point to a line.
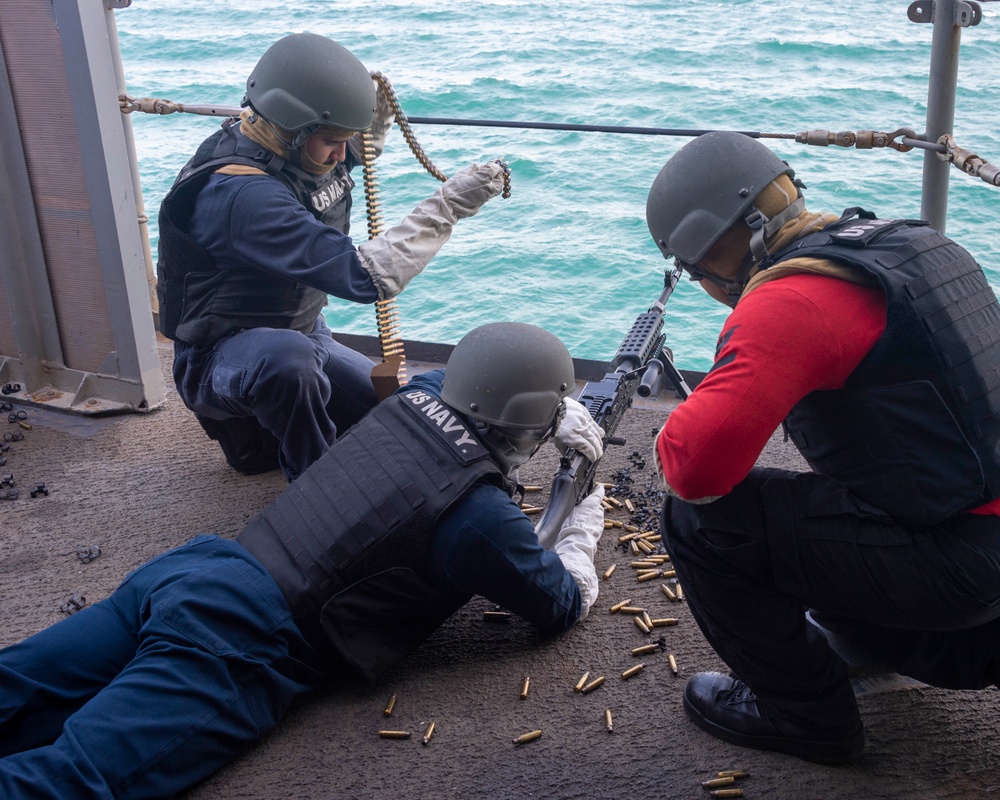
569	250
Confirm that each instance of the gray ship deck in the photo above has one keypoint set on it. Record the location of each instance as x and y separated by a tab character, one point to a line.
138	484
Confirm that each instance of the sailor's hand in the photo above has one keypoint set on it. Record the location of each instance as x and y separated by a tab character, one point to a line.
579	431
576	545
466	191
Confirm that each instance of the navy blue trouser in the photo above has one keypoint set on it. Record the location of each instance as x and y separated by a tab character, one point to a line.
193	658
926	600
301	388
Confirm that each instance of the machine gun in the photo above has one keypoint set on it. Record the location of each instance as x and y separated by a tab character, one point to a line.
639	367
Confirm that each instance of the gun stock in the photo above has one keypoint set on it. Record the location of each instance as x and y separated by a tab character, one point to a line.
639	366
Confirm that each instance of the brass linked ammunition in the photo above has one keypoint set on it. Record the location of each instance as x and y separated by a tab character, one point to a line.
394	734
607	721
524	687
524	738
592	685
390	706
633	671
715	783
428	733
582	682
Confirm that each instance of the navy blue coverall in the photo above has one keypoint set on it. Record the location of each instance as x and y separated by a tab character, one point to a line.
195	656
301	388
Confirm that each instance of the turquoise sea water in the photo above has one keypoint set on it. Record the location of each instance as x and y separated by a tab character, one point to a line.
569	250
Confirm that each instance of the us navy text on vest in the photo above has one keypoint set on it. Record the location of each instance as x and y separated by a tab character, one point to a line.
454	431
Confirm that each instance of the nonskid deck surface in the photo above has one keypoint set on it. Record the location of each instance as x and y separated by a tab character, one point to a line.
136	485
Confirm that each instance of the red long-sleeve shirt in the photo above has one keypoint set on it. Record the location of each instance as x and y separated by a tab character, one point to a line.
789	337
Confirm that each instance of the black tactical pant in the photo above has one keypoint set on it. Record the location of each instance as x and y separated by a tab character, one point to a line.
926	601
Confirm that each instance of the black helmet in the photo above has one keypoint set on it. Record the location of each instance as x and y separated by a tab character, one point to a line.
306	81
510	376
706	187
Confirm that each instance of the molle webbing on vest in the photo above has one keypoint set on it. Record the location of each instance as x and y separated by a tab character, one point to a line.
368	504
201	304
916	429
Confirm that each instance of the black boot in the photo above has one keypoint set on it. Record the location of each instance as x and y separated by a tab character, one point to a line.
728	709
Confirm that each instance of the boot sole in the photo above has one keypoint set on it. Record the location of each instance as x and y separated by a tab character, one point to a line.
819	751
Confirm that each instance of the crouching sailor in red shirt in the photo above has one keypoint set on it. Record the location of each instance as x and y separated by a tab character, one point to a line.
875	343
411	512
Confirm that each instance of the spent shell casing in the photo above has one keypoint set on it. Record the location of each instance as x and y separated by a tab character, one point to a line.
673	663
640	624
593	685
645	649
734	773
428	733
646	619
394	734
497	616
524	738
619	606
582	682
669	573
631	609
390	706
642	577
614	501
715	783
679	592
628	537
634	547
726	793
608	571
24	425
525	684
608	723
642	544
629	506
669	593
663	622
633	671
644	564
532	488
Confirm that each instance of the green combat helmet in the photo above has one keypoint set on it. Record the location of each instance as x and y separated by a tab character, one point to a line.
706	187
306	81
510	376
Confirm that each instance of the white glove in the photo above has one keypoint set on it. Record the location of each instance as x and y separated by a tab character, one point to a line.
576	545
579	431
400	254
385	115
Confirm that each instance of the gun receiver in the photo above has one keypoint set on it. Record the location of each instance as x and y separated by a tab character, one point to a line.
639	366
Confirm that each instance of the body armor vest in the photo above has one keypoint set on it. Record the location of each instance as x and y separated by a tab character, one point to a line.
348	541
915	431
200	303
